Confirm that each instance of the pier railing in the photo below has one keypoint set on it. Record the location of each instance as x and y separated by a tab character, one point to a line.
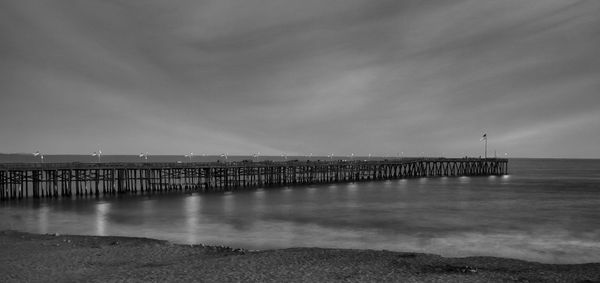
53	180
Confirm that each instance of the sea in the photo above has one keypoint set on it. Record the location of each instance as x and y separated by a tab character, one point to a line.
544	210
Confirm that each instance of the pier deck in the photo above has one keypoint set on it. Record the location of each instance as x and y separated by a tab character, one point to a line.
54	180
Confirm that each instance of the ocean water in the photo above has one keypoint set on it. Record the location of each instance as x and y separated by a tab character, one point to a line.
546	210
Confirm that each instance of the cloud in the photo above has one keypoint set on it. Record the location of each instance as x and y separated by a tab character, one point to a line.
312	76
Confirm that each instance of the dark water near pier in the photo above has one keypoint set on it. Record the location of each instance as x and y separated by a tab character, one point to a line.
546	210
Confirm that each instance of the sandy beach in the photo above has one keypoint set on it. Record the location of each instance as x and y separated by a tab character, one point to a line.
69	258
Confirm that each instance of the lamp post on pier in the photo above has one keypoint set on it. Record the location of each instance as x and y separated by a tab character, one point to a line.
189	155
255	156
37	153
98	154
144	156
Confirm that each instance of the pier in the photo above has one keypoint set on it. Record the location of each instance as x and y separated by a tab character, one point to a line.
66	180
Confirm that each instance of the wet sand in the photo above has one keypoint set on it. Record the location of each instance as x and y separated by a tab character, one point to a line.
61	258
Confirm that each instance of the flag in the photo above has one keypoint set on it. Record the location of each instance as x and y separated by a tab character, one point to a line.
484	137
36	153
142	154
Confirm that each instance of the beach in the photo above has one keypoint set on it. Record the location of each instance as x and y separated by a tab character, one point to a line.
61	258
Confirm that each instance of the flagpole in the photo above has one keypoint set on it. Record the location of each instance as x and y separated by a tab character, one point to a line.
484	138
485	154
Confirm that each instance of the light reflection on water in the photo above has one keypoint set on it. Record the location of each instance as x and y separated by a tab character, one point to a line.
191	212
521	216
102	210
43	213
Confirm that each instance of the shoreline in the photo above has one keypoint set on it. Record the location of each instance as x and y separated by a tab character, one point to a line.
53	257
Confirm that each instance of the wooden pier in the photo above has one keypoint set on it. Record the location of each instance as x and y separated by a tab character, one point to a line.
66	180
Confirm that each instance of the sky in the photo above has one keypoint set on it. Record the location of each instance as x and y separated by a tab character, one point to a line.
411	77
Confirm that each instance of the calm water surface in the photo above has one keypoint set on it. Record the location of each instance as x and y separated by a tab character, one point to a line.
546	210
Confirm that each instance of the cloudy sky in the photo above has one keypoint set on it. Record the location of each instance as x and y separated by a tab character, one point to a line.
339	76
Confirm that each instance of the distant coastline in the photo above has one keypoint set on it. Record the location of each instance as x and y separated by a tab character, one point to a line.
87	158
